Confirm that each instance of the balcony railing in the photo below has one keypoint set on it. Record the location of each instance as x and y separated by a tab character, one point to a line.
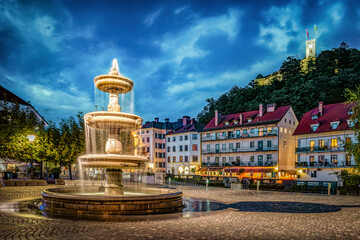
319	149
236	150
243	164
325	164
247	135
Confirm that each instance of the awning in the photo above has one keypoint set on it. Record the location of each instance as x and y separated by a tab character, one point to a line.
234	170
210	169
259	170
290	172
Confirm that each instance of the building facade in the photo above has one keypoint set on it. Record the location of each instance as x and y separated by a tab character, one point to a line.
152	143
183	148
320	138
254	140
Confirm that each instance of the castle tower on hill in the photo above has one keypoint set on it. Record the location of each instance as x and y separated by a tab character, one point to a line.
310	48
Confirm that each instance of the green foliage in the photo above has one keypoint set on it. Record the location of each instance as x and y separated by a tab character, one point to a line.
325	80
353	99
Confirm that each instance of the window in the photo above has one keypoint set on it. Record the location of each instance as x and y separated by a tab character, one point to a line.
299	142
147	139
252	158
147	131
252	130
313	174
252	144
281	129
169	159
168	139
223	134
238	145
186	137
156	154
321	144
181	148
269	143
195	147
268	157
194	136
148	149
285	130
269	129
285	120
174	148
223	160
334	158
186	159
217	160
321	158
195	158
312	145
289	121
285	144
186	148
207	147
245	131
334	125
334	143
314	116
208	135
224	147
238	133
231	145
208	159
156	136
311	159
350	123
168	149
174	158
314	127
180	138
156	145
348	160
181	158
174	139
142	132
231	159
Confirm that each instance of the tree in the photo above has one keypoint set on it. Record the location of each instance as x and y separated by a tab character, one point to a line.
353	99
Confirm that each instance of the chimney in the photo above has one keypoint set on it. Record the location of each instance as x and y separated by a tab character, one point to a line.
216	117
185	120
271	107
321	109
166	120
156	119
240	119
261	110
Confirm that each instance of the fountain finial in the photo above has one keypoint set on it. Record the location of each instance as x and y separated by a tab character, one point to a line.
115	68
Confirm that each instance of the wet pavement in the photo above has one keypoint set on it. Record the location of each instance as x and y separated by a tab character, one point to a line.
216	213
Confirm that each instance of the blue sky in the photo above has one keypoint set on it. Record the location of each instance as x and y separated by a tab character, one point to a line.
178	53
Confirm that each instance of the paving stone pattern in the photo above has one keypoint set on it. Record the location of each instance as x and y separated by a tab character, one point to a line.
245	215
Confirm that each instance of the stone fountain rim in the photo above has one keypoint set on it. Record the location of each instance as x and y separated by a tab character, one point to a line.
103	198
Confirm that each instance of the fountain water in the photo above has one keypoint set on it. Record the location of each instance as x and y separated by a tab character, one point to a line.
118	153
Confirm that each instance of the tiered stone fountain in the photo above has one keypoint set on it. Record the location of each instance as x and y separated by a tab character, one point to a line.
116	199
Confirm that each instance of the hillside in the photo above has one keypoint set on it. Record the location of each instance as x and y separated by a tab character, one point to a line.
326	78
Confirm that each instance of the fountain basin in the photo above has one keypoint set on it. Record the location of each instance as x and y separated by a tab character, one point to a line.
75	201
113	161
112	120
115	84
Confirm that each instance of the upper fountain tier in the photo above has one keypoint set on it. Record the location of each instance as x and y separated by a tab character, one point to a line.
113	82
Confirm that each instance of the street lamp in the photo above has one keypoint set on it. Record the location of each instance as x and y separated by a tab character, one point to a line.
31	138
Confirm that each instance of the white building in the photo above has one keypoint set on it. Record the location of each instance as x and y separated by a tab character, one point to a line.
258	139
183	148
320	136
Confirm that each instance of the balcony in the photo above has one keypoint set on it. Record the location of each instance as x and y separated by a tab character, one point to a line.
247	135
325	164
239	150
243	164
319	149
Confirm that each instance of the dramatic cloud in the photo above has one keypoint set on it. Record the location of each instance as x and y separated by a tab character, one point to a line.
177	53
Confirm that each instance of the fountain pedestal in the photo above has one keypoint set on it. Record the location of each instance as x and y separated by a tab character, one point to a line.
113	182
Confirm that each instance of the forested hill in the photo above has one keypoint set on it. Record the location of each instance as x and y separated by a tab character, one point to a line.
325	80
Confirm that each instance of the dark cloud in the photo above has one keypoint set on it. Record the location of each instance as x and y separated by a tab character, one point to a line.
178	53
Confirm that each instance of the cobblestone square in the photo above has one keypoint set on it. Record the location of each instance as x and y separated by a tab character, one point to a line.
244	214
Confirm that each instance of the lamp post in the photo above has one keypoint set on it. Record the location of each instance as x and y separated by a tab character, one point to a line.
31	138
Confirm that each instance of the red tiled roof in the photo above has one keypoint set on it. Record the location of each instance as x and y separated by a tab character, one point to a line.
190	127
275	116
331	113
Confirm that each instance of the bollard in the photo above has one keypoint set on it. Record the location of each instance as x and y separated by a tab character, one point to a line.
258	186
329	188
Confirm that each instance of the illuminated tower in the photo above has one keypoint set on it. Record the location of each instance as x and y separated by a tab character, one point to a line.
311	48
